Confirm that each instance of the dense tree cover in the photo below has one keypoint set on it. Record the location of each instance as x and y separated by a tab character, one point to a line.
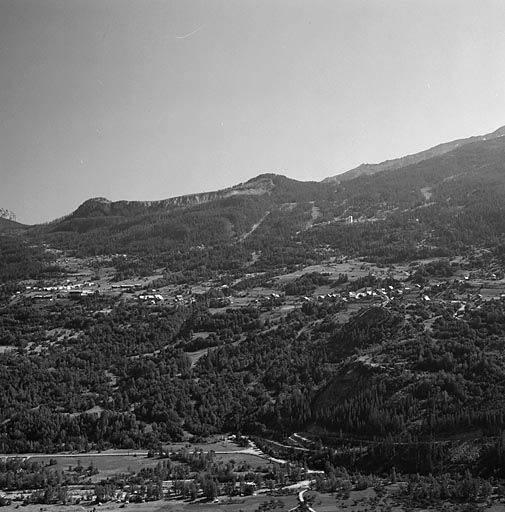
392	381
306	284
371	326
46	391
438	268
397	238
83	376
432	208
299	223
20	260
164	231
457	488
124	369
18	474
420	390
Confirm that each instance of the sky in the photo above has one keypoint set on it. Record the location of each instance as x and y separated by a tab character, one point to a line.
150	99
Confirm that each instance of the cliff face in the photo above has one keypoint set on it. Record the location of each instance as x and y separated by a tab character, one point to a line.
102	207
7	214
257	186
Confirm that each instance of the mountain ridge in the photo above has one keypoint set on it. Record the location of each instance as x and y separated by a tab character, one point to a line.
264	184
400	162
458	192
366	315
259	185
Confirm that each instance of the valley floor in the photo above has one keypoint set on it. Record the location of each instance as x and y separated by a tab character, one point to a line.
358	501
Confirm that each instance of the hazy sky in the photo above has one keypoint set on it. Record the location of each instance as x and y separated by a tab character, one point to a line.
149	99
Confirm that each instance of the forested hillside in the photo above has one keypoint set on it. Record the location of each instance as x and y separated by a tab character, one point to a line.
367	314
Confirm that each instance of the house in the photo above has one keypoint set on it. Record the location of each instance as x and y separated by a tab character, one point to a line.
77	294
152	297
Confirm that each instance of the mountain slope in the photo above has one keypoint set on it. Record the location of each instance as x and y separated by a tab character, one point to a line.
427	208
397	163
6	224
482	161
216	219
383	362
276	187
431	208
8	220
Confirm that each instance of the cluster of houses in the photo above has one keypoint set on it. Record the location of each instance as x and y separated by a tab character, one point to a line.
127	287
268	301
365	293
72	291
80	290
152	298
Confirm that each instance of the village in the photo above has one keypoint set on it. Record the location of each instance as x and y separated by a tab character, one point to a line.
84	281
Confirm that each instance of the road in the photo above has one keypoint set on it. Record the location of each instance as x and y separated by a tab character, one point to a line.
132	453
253	450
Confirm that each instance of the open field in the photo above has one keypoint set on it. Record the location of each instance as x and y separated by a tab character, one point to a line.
111	462
353	268
110	507
244	504
118	461
250	460
196	355
107	464
358	501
